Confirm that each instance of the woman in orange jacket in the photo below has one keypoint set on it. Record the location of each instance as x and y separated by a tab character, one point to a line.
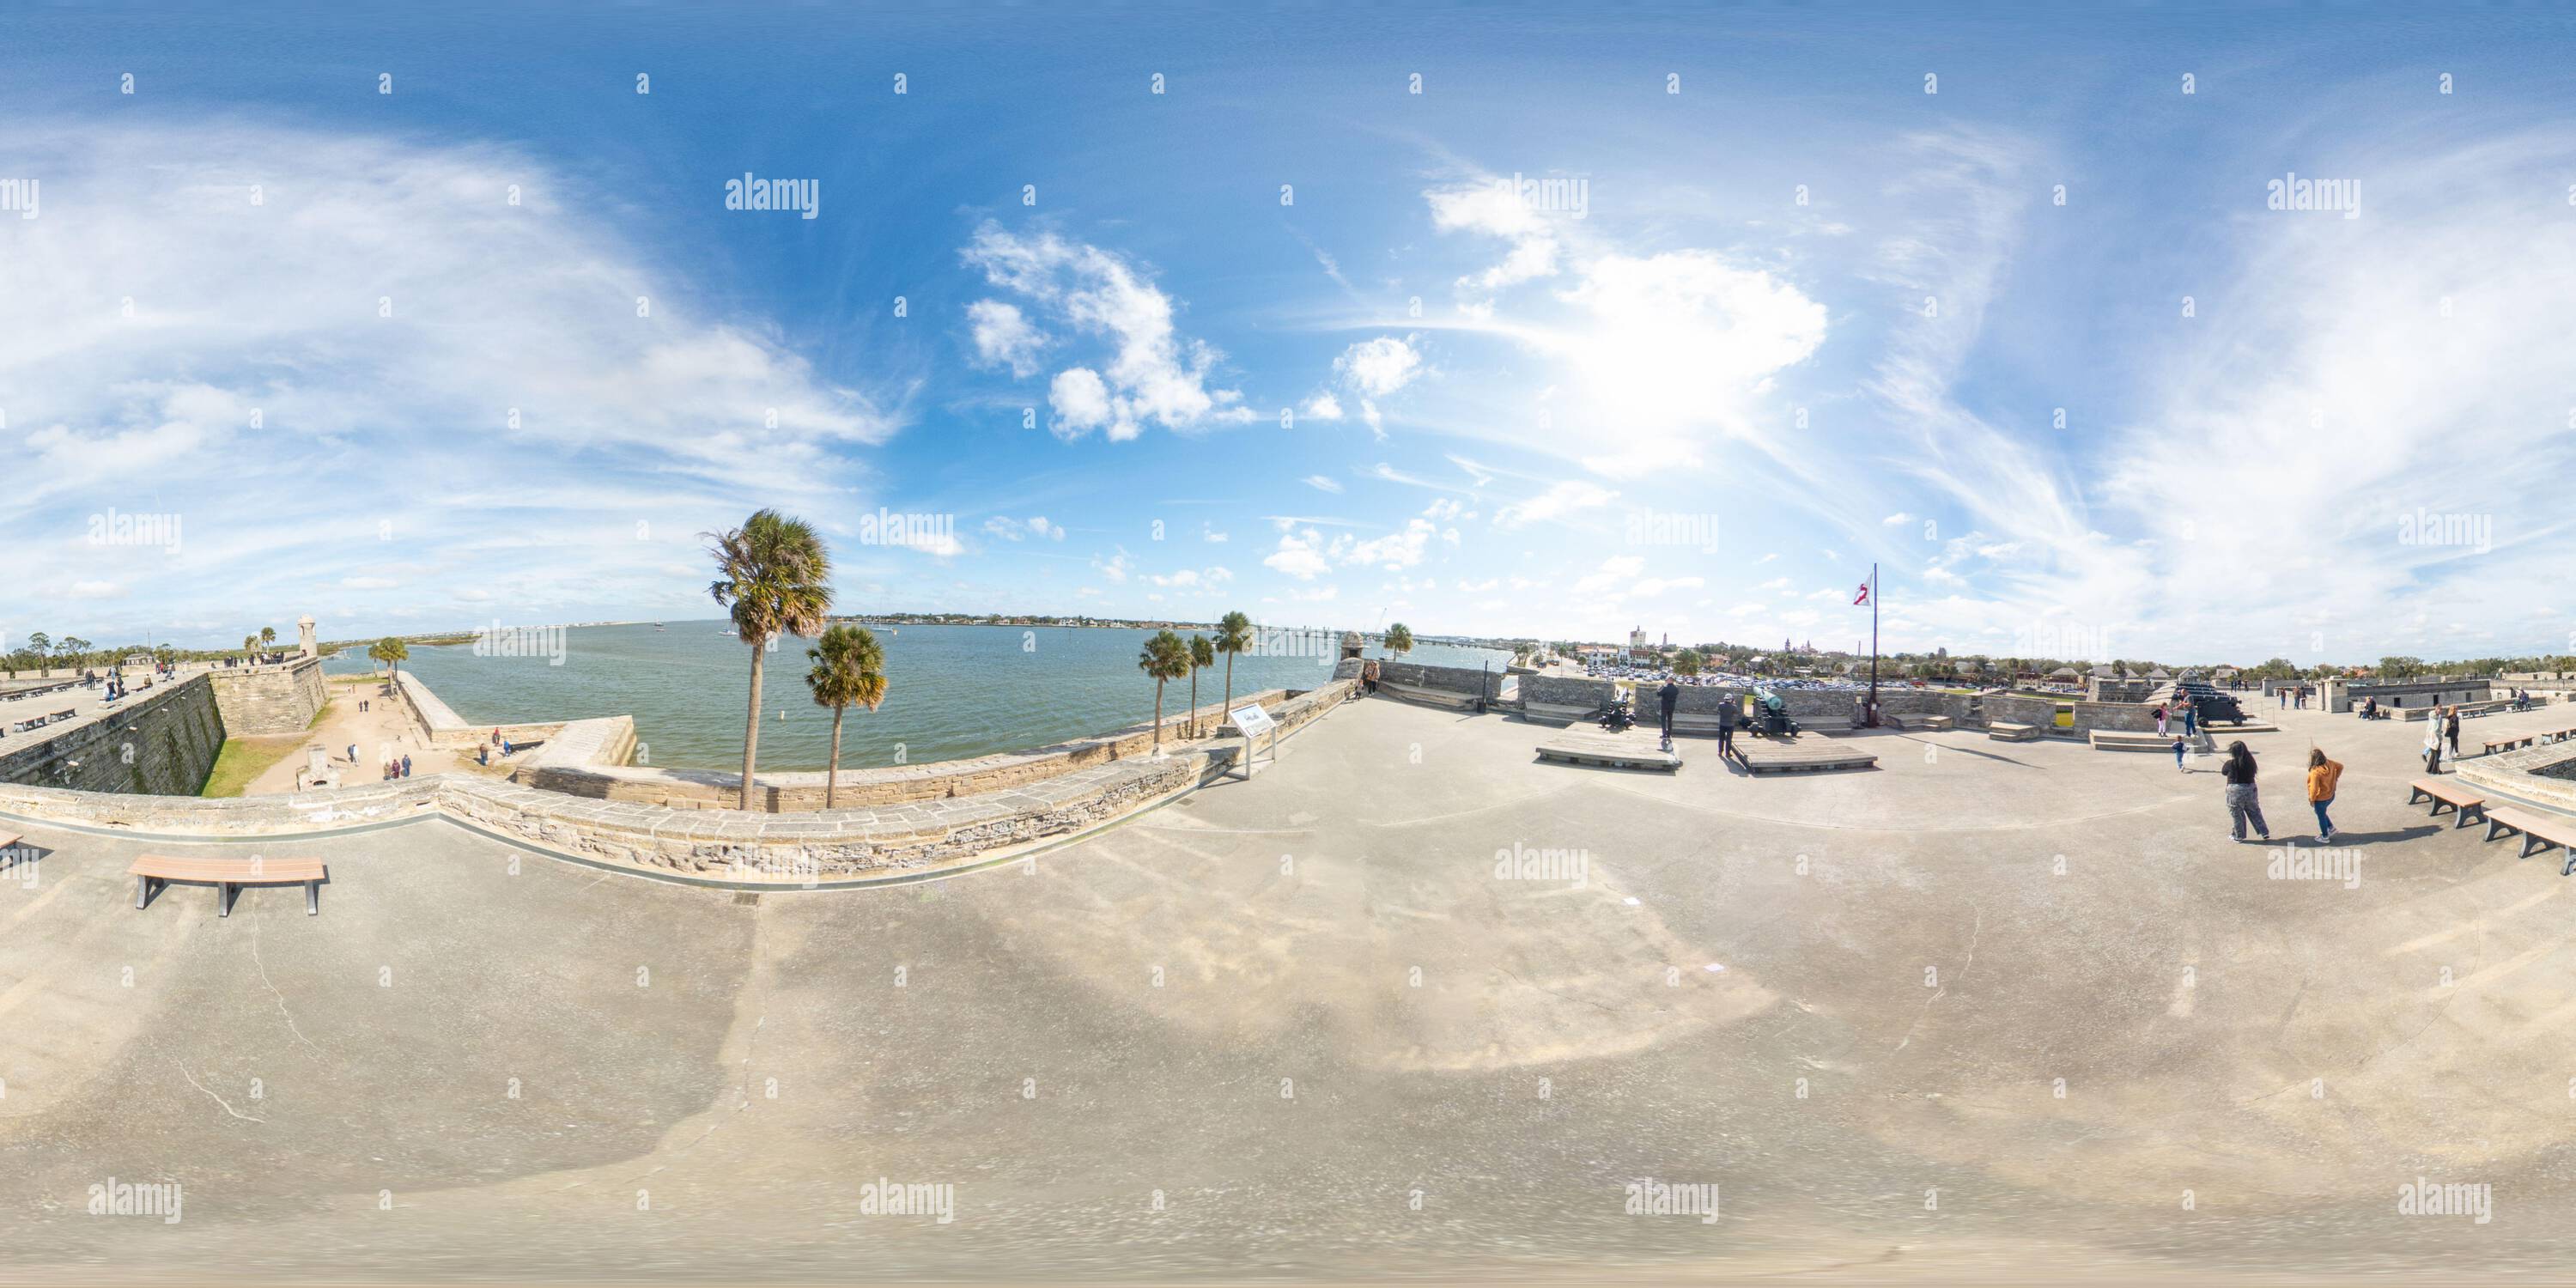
2322	776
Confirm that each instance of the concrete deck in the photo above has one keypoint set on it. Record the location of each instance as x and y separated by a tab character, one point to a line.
1844	999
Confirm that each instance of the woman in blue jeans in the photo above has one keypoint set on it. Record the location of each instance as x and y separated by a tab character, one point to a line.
2243	806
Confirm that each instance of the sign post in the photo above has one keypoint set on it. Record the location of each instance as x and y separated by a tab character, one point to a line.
1254	722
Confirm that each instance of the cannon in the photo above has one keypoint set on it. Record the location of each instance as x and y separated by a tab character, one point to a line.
2209	704
1770	716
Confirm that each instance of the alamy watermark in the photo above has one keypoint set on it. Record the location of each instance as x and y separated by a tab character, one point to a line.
19	195
936	533
750	192
2063	642
882	1197
2316	863
1571	197
1522	863
2421	1197
2424	528
151	1198
496	640
2291	192
1650	527
1651	1197
116	528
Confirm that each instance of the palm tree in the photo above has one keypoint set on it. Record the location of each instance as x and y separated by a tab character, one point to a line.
775	576
250	648
1202	654
267	637
1233	635
1687	662
43	645
1399	639
73	647
1166	659
849	670
393	653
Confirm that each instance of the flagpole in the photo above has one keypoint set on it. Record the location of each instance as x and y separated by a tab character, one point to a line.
1873	646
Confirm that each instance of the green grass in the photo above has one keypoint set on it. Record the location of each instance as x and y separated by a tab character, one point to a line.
242	760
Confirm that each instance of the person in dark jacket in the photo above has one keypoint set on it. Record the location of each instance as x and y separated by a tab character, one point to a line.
2243	805
1667	698
2451	730
1726	717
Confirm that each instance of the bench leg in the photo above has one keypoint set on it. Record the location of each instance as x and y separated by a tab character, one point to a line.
2494	829
2569	867
142	891
2415	795
2530	843
2438	803
2464	819
223	898
312	898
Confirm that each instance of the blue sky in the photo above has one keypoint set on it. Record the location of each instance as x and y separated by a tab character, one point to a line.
1798	316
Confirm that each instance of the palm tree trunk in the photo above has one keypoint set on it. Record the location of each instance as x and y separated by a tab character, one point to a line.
1229	690
832	776
751	731
1158	715
1194	702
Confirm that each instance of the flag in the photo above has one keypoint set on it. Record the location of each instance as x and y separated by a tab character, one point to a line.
1864	595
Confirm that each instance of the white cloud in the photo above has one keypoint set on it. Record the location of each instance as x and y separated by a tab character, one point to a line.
1115	568
1004	338
1565	498
1494	210
1402	549
1378	367
1039	527
1010	529
1153	373
1081	402
1209	534
1322	483
1323	406
1900	517
1300	554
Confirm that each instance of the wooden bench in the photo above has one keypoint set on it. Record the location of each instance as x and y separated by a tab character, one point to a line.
2005	732
152	870
2494	745
2461	801
2539	832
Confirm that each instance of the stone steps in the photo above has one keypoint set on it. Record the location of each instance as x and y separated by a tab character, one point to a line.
2002	731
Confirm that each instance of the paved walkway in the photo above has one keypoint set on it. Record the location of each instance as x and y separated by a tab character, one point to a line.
378	733
1299	1027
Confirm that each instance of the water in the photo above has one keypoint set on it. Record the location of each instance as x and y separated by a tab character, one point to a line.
951	691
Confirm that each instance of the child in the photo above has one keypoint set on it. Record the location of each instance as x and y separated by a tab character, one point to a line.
2178	766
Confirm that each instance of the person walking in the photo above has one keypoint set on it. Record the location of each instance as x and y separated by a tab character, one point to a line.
2285	698
2451	731
2178	750
2322	776
406	764
2160	719
2433	742
2244	805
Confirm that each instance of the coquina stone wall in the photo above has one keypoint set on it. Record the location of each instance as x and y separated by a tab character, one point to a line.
589	758
164	742
717	844
256	701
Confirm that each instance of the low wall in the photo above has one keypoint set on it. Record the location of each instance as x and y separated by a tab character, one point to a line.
593	764
441	727
258	701
165	742
839	844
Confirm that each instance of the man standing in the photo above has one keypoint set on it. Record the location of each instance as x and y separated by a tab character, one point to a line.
2451	730
1726	727
1668	697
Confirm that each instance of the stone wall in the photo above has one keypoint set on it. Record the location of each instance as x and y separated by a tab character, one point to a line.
164	742
591	762
258	701
2404	694
841	844
444	729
